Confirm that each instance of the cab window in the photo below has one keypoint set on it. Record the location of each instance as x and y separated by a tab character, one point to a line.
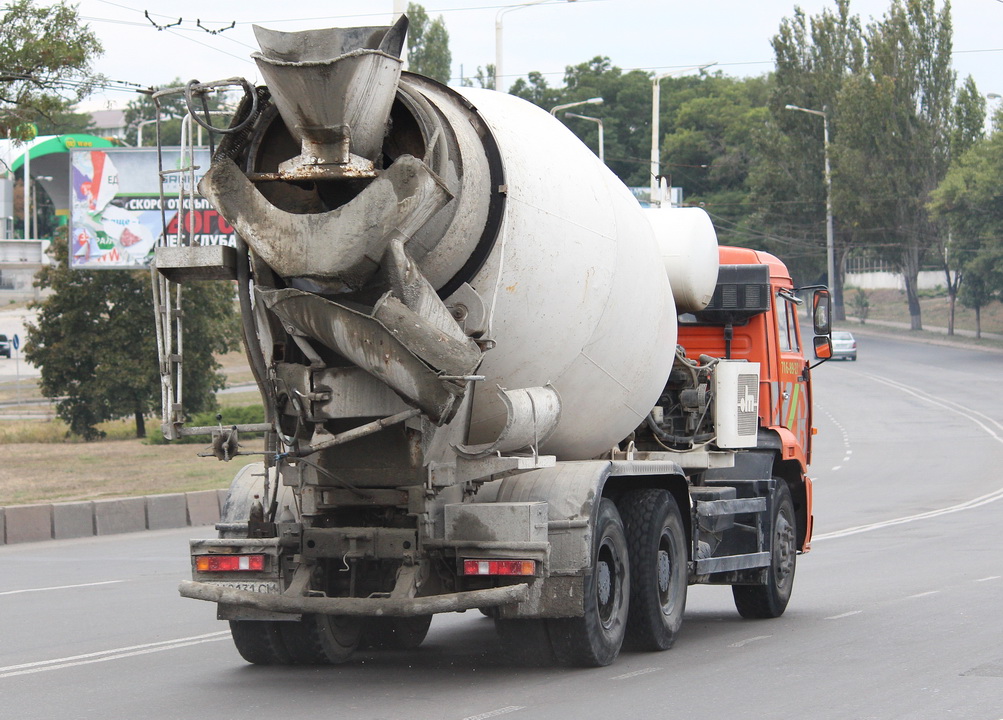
787	320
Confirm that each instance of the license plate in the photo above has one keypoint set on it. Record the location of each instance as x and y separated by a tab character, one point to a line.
267	587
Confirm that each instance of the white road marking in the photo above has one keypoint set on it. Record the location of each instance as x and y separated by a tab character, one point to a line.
844	615
104	655
987	579
837	467
968	505
950	406
60	587
496	713
743	643
645	671
923	594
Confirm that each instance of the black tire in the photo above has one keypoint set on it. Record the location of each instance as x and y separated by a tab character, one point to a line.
770	600
595	638
393	633
260	642
525	642
656	543
321	639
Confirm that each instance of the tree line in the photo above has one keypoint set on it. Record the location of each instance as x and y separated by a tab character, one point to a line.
913	174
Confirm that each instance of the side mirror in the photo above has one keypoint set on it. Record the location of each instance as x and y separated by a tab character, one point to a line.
821	303
823	347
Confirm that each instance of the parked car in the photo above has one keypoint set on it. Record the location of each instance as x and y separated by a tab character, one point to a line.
4	346
844	345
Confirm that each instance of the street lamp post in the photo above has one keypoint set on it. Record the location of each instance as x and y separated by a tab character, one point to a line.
829	244
567	106
597	121
656	101
143	123
989	116
498	36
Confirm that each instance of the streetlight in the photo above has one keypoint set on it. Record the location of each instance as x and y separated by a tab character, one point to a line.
142	123
656	101
829	245
498	36
597	121
567	106
989	116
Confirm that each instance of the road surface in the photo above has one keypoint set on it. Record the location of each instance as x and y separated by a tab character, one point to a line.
895	614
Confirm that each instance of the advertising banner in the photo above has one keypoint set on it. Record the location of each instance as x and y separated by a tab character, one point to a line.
115	219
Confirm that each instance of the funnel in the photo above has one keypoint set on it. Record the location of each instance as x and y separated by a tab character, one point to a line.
334	89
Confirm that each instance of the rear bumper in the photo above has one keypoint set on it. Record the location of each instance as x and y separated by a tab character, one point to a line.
361	607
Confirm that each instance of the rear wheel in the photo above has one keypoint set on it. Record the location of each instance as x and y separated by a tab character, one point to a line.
260	642
321	639
404	633
525	642
658	571
769	600
595	638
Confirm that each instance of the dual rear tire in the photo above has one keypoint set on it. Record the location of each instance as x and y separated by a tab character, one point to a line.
636	592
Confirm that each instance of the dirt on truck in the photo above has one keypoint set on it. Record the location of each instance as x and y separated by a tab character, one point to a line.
492	380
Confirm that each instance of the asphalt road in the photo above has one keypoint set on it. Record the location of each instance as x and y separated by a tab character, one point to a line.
896	611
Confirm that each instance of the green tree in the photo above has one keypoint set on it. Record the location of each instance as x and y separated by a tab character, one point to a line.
45	63
814	56
707	123
969	121
64	121
173	109
94	342
969	202
484	78
536	90
428	45
898	148
983	281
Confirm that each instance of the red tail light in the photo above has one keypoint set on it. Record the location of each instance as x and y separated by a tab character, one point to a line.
499	567
230	563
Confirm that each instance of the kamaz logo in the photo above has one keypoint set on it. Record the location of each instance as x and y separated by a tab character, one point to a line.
749	402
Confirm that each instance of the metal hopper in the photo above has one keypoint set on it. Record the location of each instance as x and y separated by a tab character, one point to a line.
334	89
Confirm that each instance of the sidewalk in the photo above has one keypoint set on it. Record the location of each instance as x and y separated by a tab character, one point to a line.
928	335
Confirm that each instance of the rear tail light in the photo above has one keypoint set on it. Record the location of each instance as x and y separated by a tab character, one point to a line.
230	563
499	567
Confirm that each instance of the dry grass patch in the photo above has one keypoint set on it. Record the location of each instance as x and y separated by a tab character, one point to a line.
892	305
60	472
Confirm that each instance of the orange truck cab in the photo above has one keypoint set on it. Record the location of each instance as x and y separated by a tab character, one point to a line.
754	317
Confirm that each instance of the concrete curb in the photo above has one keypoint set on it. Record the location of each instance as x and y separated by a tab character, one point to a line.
59	521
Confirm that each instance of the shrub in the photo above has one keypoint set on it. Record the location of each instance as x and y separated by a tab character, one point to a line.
239	415
861	305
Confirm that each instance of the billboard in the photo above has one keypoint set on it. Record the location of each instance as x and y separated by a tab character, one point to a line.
115	213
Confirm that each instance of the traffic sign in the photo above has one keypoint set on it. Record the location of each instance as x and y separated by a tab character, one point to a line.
16	342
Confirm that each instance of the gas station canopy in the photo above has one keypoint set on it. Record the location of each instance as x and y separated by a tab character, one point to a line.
49	144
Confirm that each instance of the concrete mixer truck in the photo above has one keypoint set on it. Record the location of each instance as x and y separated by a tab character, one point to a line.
492	380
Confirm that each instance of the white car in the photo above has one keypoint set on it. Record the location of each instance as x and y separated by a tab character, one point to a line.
844	345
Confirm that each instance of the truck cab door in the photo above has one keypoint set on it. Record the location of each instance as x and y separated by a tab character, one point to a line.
795	399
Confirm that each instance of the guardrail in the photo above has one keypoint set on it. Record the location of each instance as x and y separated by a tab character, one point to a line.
88	518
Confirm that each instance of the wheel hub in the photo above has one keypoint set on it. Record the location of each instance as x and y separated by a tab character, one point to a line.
664	571
784	551
605	585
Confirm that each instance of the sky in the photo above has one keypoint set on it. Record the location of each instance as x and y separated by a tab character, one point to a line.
653	35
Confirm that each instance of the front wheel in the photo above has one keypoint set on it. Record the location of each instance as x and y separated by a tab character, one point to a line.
595	638
770	599
658	571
